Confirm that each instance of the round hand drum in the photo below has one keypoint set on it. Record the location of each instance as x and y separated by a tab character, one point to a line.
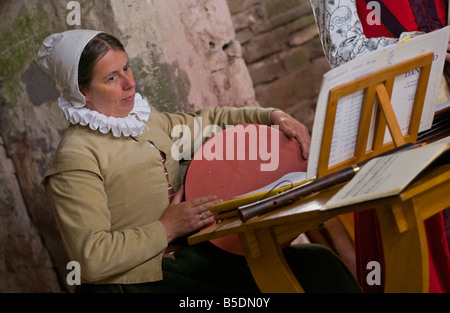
238	160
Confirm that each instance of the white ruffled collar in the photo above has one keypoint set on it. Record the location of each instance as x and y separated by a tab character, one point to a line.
132	125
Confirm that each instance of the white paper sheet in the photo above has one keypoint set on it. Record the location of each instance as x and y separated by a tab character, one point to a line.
349	108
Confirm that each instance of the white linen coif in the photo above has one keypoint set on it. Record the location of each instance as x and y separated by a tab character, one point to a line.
59	56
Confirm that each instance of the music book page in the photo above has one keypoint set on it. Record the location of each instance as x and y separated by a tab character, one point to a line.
388	175
285	183
349	108
289	180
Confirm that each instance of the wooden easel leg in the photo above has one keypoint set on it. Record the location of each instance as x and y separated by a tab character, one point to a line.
405	249
389	114
266	261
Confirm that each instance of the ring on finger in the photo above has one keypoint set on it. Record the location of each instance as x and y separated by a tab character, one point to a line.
200	216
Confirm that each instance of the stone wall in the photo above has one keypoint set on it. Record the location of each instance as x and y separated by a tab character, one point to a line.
283	53
185	55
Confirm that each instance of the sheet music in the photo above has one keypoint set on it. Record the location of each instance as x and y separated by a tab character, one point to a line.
349	108
287	180
386	176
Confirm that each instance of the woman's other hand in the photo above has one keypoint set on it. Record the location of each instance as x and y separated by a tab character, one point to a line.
292	129
184	217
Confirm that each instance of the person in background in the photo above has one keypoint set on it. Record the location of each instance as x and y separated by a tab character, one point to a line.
116	189
349	29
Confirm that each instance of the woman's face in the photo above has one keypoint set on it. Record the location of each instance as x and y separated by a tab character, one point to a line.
112	88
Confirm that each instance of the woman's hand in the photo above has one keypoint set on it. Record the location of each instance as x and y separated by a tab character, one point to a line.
182	218
292	129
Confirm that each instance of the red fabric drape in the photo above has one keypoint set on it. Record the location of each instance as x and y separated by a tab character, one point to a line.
368	247
403	11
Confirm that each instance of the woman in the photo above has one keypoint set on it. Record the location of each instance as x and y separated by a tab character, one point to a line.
112	182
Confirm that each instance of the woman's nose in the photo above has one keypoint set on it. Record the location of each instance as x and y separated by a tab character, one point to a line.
129	82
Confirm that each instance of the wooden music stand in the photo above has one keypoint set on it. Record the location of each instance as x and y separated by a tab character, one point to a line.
378	89
401	217
401	223
377	86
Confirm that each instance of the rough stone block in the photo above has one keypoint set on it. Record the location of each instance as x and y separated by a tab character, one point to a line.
276	7
267	70
295	59
303	36
265	45
297	86
300	23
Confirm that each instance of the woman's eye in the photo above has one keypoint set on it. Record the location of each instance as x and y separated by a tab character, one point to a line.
112	79
126	68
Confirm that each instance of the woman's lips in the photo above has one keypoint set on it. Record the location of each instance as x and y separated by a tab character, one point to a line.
130	98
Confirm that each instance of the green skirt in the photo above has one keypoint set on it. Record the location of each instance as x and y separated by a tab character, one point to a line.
205	268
